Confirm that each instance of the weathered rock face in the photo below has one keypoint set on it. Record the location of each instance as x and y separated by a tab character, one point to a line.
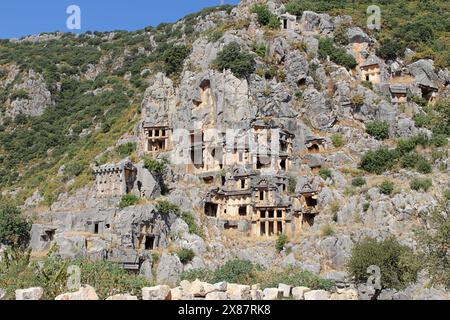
169	269
318	109
38	97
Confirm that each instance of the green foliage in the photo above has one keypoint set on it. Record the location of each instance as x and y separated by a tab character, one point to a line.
233	57
18	271
409	160
19	95
128	200
185	255
338	140
292	185
194	228
74	169
174	59
397	263
14	229
447	194
235	271
434	242
281	242
200	274
378	161
357	100
378	129
358	182
420	184
390	49
386	187
260	49
423	166
337	55
325	173
165	208
156	166
126	149
439	140
416	24
294	278
265	17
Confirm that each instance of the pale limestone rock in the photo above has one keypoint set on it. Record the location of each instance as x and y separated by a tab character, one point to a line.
299	292
285	289
122	297
221	286
317	295
256	294
85	293
156	293
239	292
217	295
179	294
30	294
272	294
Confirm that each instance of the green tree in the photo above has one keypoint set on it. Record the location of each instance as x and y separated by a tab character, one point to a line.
378	161
233	57
265	17
378	129
281	242
174	59
434	242
14	228
398	264
185	255
128	200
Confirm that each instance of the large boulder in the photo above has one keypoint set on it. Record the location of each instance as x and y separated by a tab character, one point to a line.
272	294
84	293
30	294
317	295
169	270
156	293
298	293
239	292
71	247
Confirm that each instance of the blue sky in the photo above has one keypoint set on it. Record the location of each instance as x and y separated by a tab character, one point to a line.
23	17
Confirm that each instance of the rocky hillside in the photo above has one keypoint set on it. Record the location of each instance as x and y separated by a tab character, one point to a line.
367	119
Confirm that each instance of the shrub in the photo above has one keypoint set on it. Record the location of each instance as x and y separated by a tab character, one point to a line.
194	228
185	255
409	160
126	149
378	129
434	242
377	161
155	166
366	206
292	185
200	274
447	194
397	263
367	84
74	169
337	55
338	140
327	231
386	187
358	182
325	173
239	61
420	184
405	146
390	49
281	242
294	278
164	207
235	271
128	200
423	166
14	229
265	17
439	140
174	59
357	100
